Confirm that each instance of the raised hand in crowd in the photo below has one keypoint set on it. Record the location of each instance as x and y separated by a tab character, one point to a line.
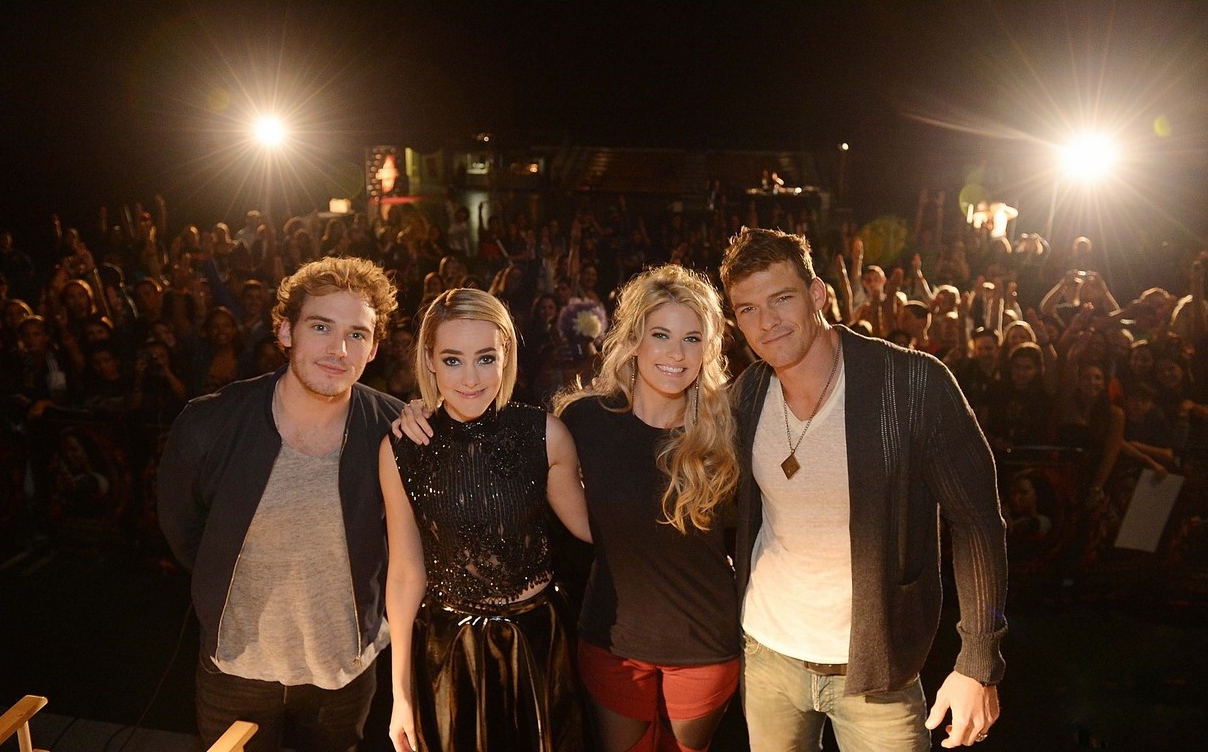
161	214
917	282
842	286
893	282
1065	292
970	297
940	197
153	362
919	223
1195	303
1075	335
857	257
890	303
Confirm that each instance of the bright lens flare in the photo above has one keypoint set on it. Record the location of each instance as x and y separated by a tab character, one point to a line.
269	131
1089	157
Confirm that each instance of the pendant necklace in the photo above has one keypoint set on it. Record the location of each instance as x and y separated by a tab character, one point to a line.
790	466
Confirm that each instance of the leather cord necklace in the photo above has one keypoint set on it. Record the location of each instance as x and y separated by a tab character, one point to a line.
790	466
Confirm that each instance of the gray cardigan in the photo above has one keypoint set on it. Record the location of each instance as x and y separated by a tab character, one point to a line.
913	447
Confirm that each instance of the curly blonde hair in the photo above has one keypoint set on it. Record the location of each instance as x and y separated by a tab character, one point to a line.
700	461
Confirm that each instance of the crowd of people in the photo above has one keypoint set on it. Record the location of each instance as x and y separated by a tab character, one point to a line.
601	314
121	325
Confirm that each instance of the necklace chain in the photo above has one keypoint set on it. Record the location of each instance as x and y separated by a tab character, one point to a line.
790	464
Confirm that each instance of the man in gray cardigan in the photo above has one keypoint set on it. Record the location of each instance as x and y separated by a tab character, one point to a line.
850	447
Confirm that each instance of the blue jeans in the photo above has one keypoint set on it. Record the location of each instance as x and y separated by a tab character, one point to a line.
317	720
787	705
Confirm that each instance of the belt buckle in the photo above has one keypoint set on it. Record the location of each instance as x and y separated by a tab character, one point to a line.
826	669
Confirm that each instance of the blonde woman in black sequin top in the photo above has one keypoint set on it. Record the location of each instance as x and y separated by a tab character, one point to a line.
490	666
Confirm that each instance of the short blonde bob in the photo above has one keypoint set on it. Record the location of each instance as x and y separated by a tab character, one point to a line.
464	304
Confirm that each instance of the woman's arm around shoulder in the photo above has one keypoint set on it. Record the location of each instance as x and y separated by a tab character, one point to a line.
405	583
564	486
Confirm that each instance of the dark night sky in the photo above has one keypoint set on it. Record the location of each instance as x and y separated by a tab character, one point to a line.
114	102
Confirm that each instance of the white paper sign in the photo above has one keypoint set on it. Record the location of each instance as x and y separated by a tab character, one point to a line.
1152	501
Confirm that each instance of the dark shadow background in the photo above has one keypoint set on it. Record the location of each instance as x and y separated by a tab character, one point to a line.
1117	662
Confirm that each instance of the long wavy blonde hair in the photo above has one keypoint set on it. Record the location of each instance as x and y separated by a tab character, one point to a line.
700	461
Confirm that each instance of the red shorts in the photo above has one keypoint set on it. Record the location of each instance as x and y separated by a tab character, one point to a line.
637	689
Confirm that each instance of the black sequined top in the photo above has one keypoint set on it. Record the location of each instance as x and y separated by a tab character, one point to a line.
478	491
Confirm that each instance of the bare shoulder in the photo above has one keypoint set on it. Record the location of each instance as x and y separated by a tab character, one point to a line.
559	442
556	430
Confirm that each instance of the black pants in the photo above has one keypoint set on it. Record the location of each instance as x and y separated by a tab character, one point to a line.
313	719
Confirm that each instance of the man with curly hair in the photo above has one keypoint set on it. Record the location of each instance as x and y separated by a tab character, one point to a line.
268	494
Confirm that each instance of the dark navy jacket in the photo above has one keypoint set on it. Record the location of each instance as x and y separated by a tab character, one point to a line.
214	470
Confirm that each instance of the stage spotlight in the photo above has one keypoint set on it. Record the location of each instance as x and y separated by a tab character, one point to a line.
1088	157
269	131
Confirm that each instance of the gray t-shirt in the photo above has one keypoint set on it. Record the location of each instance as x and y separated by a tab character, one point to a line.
290	615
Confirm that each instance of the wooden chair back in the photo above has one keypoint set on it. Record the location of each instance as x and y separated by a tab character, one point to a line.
16	721
235	737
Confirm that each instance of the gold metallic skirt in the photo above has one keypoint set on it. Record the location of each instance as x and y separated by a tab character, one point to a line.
490	678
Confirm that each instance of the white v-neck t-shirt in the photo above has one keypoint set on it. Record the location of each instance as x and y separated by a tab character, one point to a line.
798	600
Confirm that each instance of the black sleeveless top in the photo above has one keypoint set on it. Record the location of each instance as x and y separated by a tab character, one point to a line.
478	492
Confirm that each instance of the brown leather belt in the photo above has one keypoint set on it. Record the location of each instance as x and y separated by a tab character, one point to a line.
826	669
